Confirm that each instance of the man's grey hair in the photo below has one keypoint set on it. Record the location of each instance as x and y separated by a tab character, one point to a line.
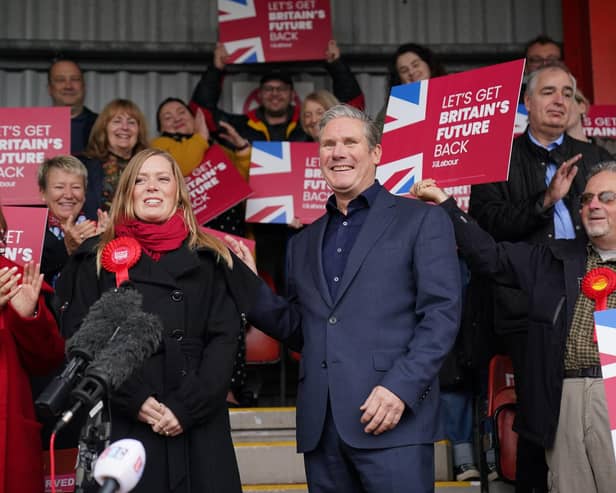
345	111
532	77
604	166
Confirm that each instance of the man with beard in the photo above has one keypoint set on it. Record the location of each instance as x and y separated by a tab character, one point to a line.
565	409
521	209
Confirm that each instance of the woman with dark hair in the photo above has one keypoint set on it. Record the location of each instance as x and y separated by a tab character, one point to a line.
30	344
410	63
120	131
175	402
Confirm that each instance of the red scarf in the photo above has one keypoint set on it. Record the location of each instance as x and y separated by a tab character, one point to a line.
156	239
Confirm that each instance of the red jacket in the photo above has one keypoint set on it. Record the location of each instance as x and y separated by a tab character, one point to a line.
28	346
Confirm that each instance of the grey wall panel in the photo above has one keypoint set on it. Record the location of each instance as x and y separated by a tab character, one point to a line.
364	22
147	50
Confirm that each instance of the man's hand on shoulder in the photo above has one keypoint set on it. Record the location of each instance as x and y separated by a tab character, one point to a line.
382	411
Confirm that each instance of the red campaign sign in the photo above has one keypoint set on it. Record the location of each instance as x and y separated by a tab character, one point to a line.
26	233
215	185
28	136
221	236
287	183
256	31
600	121
456	129
605	324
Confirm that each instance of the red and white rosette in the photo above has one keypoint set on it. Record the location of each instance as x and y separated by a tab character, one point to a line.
597	285
119	255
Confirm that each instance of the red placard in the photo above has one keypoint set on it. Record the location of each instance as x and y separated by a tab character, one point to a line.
287	183
25	234
600	121
256	31
605	324
215	185
456	129
27	137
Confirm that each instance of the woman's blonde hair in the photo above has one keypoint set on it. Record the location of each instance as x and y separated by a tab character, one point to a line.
98	143
122	207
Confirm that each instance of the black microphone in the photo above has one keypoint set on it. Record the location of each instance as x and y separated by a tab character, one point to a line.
103	318
134	340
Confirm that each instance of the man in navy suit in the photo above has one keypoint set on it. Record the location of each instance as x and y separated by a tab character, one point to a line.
373	305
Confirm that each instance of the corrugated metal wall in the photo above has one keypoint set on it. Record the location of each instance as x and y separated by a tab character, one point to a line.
147	50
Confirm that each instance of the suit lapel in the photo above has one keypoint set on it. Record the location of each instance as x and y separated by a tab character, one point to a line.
379	218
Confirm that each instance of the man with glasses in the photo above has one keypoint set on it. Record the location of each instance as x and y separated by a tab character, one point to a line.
540	51
566	410
522	209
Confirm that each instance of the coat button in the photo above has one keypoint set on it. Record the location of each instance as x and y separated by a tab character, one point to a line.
177	295
332	320
178	334
323	364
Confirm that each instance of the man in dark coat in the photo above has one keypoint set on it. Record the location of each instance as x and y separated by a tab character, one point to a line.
520	210
563	406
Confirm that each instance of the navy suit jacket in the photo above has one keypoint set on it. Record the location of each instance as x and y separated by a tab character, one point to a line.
394	319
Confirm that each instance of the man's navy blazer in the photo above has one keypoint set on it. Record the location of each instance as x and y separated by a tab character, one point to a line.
394	319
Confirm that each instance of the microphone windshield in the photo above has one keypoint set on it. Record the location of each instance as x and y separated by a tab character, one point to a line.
123	461
104	316
137	338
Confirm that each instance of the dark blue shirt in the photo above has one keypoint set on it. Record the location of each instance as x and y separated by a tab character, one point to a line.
341	233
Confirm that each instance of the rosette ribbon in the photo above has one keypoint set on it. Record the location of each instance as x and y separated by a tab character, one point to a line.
119	255
597	285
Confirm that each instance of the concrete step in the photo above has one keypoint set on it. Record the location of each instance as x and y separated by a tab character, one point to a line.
440	487
265	447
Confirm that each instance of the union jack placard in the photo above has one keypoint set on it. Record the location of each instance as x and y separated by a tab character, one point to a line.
456	129
606	339
287	183
256	31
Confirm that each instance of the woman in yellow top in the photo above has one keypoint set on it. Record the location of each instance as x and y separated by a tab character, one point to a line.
186	137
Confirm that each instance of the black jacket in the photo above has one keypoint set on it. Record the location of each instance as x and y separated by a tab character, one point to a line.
190	373
253	125
513	211
548	275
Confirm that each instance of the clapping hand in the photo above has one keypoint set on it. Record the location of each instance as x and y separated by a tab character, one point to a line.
76	234
25	298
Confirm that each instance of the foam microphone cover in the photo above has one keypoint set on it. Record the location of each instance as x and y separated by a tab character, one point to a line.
138	337
104	316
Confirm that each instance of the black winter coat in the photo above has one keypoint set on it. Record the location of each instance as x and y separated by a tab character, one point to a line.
513	211
548	275
190	373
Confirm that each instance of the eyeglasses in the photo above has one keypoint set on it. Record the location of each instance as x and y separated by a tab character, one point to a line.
604	197
539	60
271	89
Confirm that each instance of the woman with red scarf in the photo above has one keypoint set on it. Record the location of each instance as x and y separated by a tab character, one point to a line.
29	344
175	403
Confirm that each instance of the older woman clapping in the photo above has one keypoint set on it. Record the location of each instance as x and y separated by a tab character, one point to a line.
62	182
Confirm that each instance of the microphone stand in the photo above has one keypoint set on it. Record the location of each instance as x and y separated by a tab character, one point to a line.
94	438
